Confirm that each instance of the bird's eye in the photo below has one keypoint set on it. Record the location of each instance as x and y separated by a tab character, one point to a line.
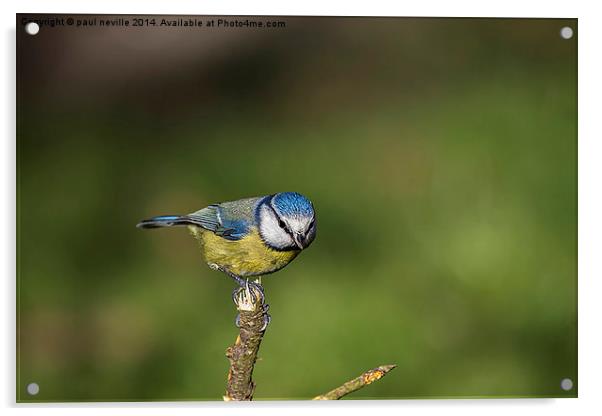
282	224
311	224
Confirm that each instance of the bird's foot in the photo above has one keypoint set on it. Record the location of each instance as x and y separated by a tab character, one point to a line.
257	288
267	318
251	298
250	293
244	284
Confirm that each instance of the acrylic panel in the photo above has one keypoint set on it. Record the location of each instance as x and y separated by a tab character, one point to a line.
416	176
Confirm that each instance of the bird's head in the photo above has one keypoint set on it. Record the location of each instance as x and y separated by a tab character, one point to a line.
287	221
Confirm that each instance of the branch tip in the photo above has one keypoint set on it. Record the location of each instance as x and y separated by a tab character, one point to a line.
357	383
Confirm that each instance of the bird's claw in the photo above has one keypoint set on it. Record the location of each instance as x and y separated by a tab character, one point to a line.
267	318
257	288
251	297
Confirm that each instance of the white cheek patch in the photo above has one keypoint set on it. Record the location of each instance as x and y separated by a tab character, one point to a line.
271	231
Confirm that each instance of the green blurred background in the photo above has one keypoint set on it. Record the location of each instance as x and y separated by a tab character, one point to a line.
441	157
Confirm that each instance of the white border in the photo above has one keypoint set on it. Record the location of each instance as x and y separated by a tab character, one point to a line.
507	8
590	201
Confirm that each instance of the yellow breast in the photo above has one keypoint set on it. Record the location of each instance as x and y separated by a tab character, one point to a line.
249	256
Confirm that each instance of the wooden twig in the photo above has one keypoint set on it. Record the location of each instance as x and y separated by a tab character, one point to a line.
252	321
243	354
357	383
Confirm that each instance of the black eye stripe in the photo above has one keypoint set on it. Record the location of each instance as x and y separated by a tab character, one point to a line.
282	225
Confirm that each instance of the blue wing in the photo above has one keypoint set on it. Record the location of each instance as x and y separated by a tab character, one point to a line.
212	218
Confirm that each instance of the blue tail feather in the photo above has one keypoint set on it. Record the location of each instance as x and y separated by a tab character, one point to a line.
164	221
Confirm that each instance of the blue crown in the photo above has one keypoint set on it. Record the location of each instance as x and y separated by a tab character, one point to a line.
292	204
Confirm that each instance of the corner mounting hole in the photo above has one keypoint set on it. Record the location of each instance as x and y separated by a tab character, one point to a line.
566	32
32	28
33	389
566	384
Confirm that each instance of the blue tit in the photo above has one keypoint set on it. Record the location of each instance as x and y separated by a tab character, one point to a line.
249	237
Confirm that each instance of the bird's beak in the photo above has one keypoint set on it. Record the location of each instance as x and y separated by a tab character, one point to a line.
299	241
